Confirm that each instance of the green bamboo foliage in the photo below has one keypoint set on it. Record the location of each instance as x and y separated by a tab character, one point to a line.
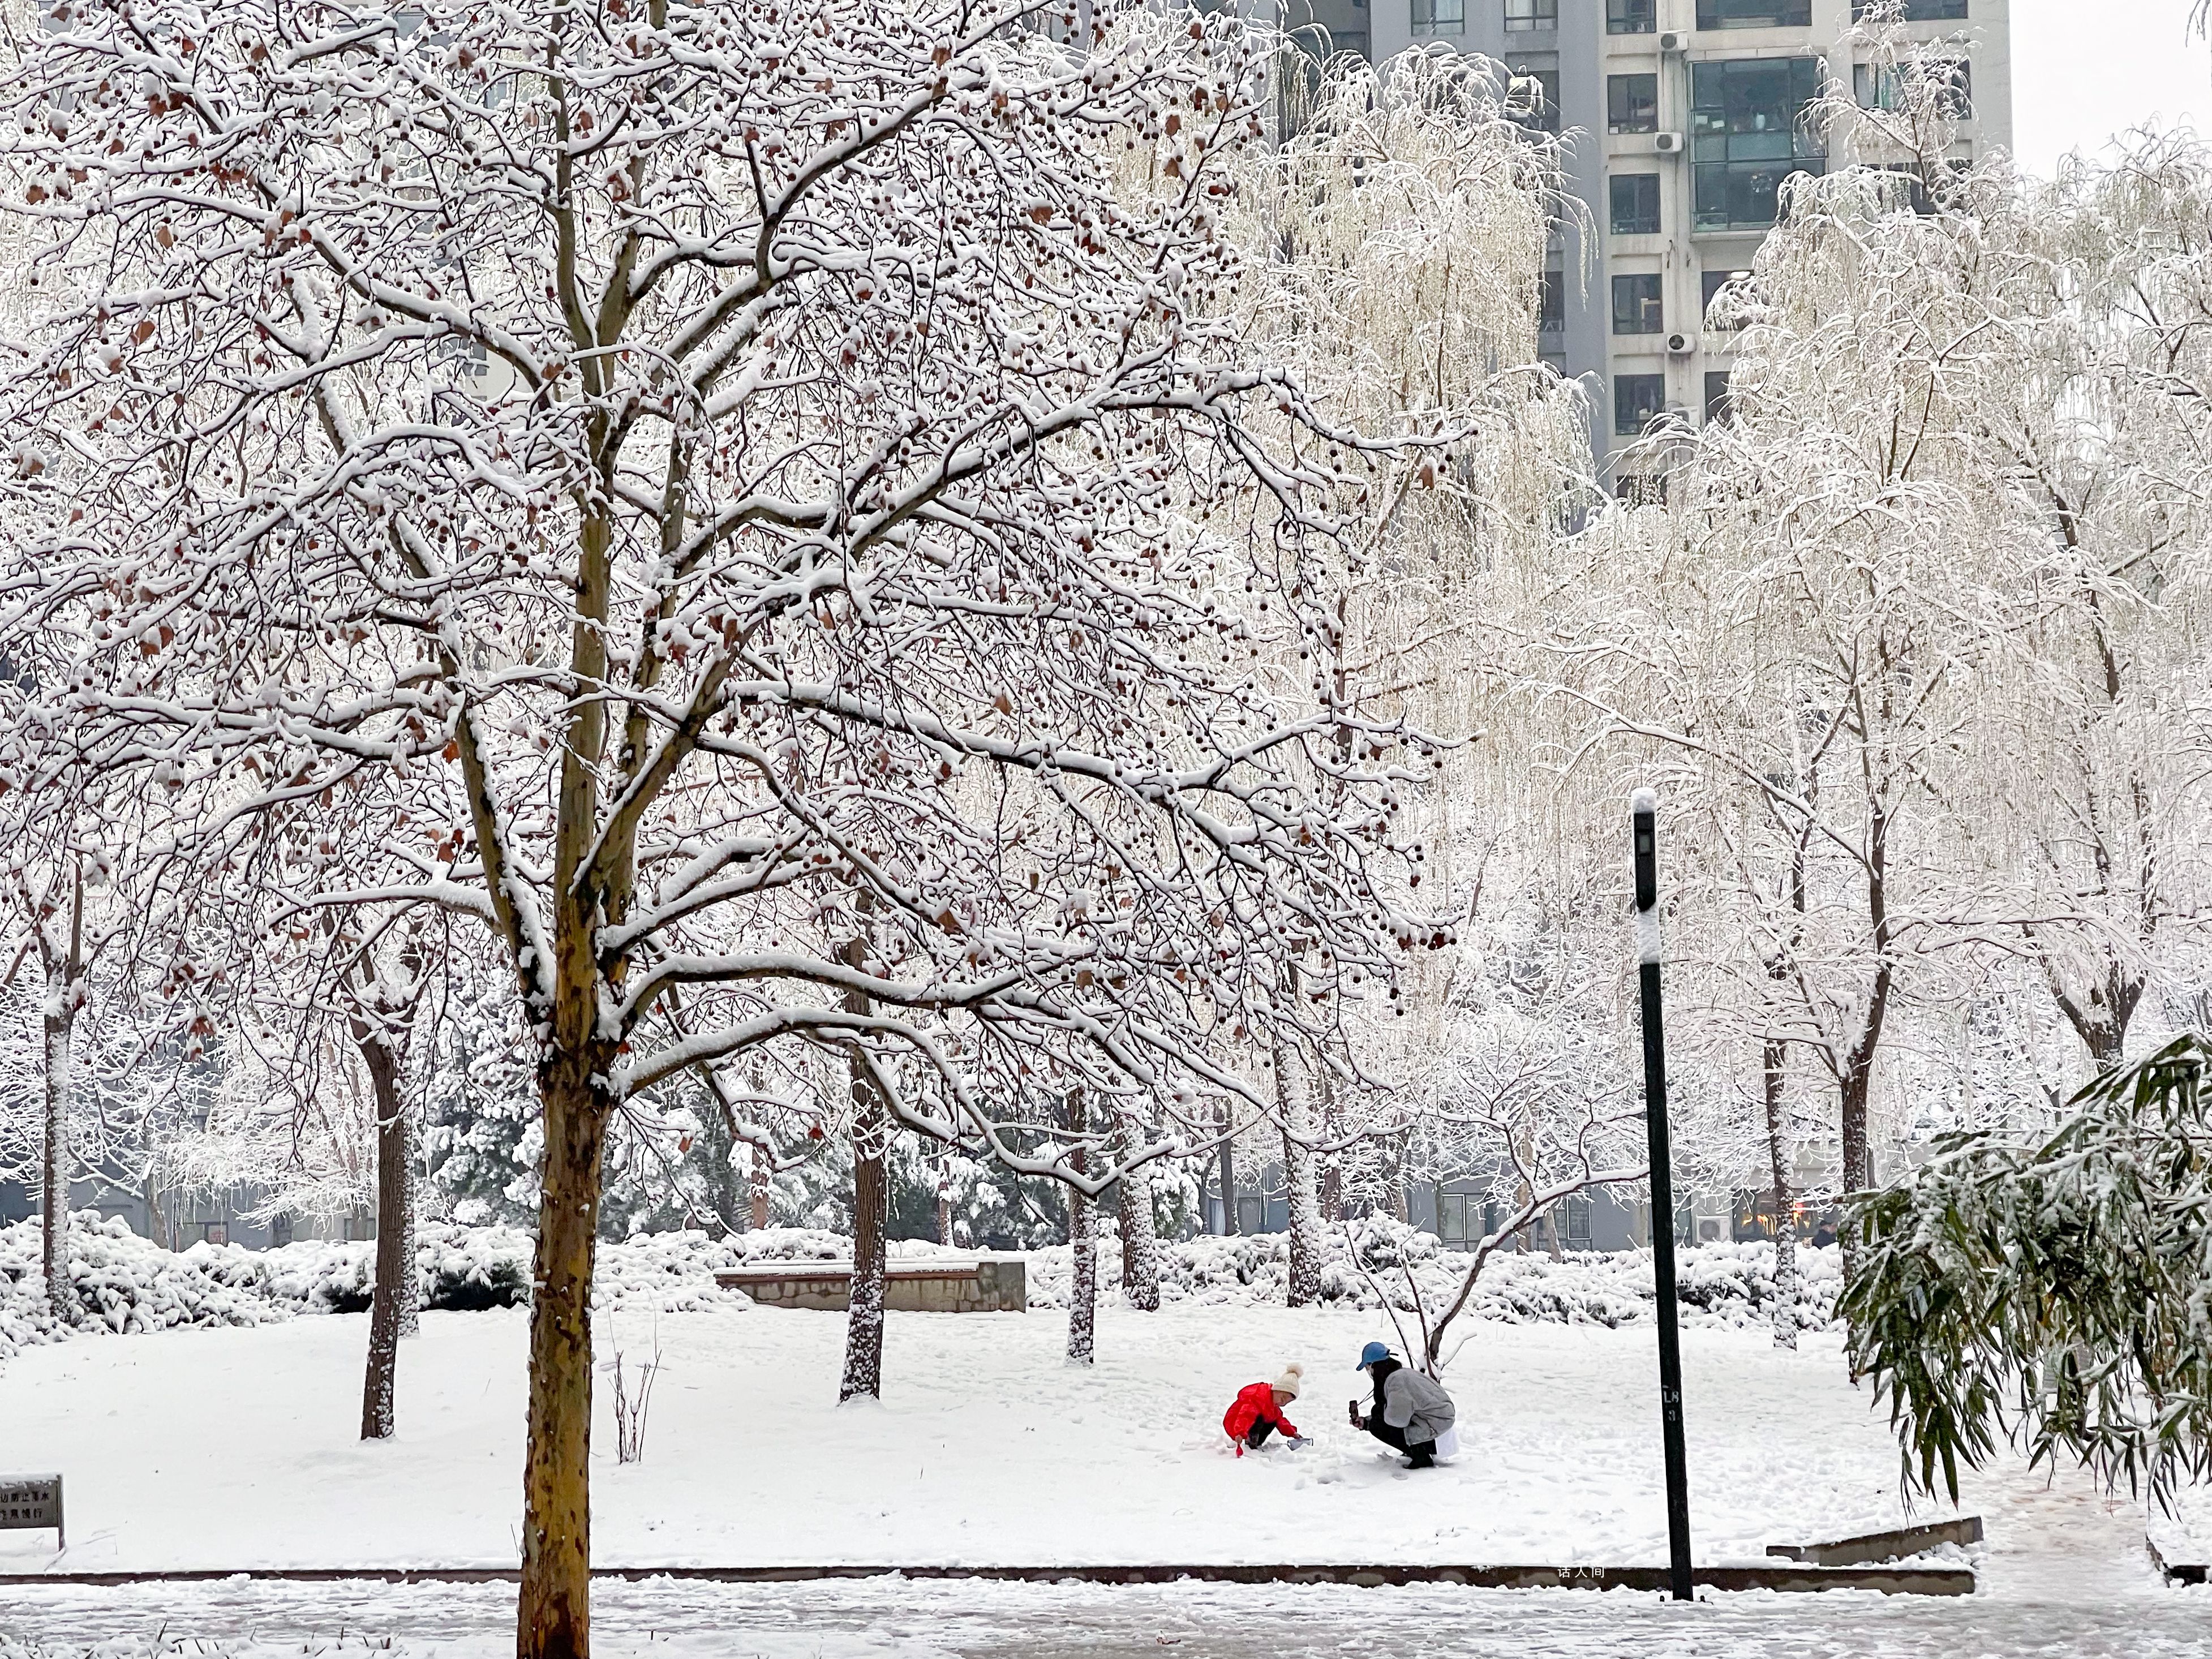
2054	1295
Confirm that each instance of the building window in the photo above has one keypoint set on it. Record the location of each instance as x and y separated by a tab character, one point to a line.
1637	400
1711	284
1754	13
1533	99
1747	133
1632	103
1717	407
1452	1217
1638	306
1632	16
1641	489
1439	16
1524	14
1578	1223
1635	202
1921	11
1551	303
1874	86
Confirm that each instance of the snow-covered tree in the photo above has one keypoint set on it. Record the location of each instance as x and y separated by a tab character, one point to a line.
686	487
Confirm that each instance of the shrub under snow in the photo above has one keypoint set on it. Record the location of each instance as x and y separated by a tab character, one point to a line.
1719	1284
128	1284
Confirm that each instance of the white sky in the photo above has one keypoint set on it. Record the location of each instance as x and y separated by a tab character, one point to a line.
2084	70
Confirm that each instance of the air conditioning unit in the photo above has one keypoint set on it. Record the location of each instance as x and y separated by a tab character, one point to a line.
1669	144
1674	42
1681	345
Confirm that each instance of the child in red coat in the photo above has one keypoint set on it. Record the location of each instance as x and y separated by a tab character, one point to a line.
1257	1411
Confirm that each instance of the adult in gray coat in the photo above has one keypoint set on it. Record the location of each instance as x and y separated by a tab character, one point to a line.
1410	1410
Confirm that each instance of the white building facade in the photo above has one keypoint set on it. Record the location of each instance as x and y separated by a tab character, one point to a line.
1683	118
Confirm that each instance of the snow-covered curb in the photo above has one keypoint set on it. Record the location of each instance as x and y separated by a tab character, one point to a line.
126	1284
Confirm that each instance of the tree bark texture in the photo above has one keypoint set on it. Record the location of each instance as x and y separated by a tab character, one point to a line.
65	977
1141	1242
1228	1223
758	1215
863	1316
1083	1252
1785	1222
395	1256
410	1174
1294	1097
54	1196
554	1605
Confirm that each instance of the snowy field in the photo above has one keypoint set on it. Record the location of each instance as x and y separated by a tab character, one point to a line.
236	1448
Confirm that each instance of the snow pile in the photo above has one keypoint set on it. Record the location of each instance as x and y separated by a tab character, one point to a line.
1719	1284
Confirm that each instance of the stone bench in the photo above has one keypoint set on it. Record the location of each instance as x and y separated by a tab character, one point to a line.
1892	1545
990	1284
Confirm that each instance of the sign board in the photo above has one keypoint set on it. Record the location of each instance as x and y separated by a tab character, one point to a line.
32	1502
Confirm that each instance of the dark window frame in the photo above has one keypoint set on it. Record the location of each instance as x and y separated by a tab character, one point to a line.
1536	16
1632	103
1744	141
1639	303
1921	11
1643	218
1874	86
1633	413
1719	407
1427	24
1755	13
1632	16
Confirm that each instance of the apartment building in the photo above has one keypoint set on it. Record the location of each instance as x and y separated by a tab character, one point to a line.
1684	117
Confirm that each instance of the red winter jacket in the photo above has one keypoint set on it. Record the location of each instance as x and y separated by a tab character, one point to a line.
1255	1404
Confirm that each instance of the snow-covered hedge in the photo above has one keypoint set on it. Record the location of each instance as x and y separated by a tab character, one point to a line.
1723	1285
126	1284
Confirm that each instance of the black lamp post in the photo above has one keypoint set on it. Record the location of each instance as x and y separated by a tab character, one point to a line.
1643	808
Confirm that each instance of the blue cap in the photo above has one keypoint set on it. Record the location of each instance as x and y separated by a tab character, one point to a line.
1370	1353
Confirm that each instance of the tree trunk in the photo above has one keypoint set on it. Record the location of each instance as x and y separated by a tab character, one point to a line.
64	975
410	1309
53	1239
1295	1102
1228	1223
1332	1174
1141	1242
395	1265
1082	1251
1856	1171
863	1316
944	1208
553	1609
758	1215
1786	1225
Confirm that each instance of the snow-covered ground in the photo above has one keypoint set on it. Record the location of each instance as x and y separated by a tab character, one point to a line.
236	1448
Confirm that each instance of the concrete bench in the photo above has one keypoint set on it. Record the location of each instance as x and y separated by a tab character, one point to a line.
1892	1544
988	1285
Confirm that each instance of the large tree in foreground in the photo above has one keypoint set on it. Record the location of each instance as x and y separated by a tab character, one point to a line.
692	488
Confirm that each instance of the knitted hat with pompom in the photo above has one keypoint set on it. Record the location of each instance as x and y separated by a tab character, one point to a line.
1293	1380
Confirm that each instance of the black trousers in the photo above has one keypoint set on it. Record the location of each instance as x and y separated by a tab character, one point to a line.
1256	1435
1423	1452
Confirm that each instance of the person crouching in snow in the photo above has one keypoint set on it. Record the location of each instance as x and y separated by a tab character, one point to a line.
1257	1411
1411	1413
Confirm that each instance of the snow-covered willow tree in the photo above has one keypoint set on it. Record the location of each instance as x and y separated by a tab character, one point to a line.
1399	240
684	487
1797	645
2104	853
